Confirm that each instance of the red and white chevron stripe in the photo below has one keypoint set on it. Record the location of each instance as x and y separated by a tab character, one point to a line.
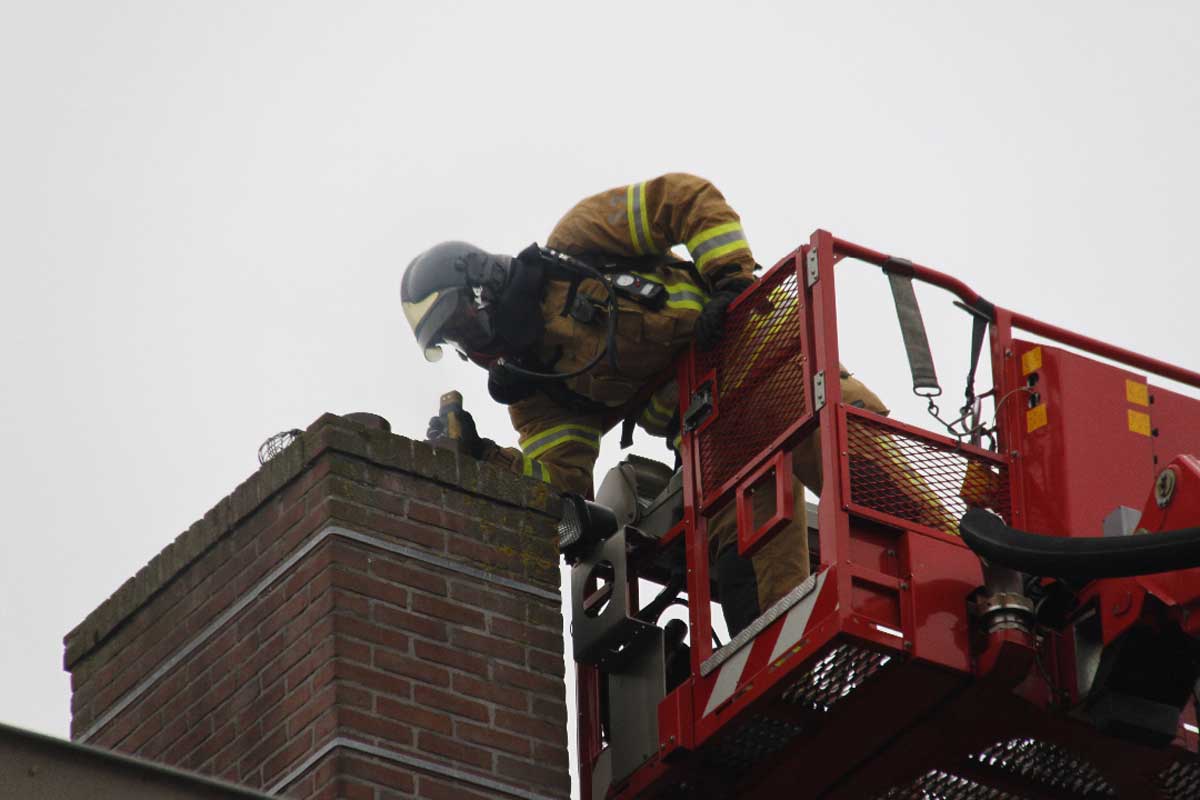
774	643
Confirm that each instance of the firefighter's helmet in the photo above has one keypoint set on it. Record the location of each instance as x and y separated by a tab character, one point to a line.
475	301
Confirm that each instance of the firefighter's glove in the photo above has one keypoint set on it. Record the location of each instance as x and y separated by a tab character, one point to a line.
459	435
710	325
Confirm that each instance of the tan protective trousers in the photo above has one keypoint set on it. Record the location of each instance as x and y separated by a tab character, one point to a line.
783	562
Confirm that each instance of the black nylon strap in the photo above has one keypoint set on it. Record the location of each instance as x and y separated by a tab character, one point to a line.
912	328
978	329
982	313
627	425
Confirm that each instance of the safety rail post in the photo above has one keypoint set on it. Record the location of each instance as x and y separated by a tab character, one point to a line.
696	539
833	523
587	724
1007	383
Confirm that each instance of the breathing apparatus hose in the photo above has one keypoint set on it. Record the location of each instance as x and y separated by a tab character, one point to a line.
1079	557
570	263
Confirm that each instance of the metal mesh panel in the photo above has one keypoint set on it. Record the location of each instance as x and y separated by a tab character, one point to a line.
1045	764
1039	764
1181	781
760	378
838	673
917	479
938	785
757	739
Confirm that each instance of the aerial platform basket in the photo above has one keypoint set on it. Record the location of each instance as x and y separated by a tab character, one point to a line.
898	668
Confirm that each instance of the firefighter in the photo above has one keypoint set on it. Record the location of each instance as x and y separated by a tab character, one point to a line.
578	339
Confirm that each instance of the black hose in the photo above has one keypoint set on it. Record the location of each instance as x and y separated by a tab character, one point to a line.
1079	557
654	609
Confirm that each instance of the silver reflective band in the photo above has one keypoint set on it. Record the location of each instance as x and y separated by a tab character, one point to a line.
715	242
680	298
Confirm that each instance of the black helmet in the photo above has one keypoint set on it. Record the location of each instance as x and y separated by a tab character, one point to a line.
478	302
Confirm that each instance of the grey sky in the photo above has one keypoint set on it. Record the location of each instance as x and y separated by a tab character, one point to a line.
206	208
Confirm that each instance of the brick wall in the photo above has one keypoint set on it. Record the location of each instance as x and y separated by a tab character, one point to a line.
363	618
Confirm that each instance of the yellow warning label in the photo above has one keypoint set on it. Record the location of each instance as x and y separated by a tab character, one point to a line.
1031	361
1139	422
1035	418
1137	393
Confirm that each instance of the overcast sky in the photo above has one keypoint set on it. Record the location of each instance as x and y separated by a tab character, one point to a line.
207	207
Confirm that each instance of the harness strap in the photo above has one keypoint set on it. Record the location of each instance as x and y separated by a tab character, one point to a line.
983	313
912	328
627	425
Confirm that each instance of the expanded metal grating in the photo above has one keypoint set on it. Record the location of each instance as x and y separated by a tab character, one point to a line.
919	480
760	371
759	738
1047	765
1181	781
838	673
938	785
1041	765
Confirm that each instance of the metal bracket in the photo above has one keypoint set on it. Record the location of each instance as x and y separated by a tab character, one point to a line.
818	391
700	407
604	636
811	262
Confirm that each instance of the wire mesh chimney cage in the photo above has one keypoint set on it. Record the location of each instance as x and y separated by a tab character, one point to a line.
277	444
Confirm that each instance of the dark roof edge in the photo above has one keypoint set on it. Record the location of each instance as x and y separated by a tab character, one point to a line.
12	736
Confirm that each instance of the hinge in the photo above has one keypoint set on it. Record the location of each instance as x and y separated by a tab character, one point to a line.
818	391
811	262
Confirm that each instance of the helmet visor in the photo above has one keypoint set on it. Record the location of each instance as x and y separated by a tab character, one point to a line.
449	317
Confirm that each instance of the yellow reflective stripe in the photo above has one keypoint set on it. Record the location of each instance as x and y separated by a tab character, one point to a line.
682	286
657	414
536	469
653	416
638	218
645	218
679	295
629	215
717	252
592	443
533	439
703	236
539	443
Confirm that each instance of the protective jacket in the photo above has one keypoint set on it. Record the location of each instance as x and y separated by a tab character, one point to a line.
637	224
560	439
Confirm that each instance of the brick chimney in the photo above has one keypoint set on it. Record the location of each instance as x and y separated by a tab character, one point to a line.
365	617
